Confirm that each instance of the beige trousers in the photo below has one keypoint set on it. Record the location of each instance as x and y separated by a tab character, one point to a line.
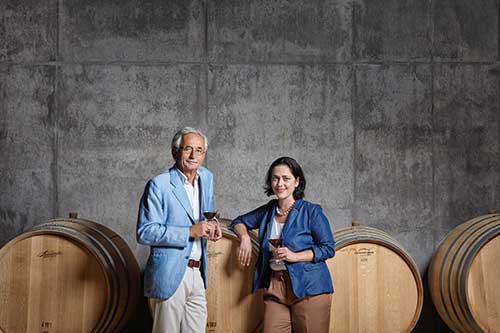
283	312
186	310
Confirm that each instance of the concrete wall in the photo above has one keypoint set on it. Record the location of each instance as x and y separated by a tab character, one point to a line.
391	107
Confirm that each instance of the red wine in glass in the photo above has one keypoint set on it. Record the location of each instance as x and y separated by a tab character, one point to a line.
209	215
276	242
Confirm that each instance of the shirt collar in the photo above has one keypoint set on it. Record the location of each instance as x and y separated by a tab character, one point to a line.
185	178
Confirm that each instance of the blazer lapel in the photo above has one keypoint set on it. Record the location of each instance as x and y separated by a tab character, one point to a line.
204	204
180	192
292	216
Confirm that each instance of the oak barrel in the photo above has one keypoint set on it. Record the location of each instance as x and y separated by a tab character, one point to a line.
377	284
67	275
230	303
464	276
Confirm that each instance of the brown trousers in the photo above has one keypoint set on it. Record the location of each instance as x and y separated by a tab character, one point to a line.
283	312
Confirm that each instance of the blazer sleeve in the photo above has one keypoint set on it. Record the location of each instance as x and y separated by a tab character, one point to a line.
324	244
252	219
153	229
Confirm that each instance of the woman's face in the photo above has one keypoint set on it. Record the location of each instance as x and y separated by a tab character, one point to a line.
283	182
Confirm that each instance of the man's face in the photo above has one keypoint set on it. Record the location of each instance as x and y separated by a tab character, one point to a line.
191	153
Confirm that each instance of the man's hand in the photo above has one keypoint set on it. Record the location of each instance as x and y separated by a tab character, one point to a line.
201	229
216	232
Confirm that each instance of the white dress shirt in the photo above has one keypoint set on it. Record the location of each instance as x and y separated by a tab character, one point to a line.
193	194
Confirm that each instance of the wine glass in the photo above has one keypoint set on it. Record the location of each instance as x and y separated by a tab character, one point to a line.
276	243
210	215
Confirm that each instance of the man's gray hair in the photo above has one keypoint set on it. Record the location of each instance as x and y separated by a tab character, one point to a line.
176	141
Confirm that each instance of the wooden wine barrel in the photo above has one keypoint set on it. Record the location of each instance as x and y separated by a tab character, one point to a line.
67	275
230	303
377	284
464	276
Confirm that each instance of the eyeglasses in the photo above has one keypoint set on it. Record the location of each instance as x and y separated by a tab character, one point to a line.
189	150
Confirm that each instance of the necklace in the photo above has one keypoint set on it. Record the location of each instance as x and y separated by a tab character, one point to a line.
284	213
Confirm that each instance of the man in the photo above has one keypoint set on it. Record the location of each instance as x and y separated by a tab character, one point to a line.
170	221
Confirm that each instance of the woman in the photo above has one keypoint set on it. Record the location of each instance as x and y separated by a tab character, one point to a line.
295	277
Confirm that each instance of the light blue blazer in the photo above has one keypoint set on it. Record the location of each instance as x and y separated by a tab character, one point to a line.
165	216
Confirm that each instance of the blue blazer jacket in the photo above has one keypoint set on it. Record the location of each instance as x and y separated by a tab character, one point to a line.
306	228
165	216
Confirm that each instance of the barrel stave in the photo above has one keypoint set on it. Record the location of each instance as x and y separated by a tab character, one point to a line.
76	276
377	285
463	296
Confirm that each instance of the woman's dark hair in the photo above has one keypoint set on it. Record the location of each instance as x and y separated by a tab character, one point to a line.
297	172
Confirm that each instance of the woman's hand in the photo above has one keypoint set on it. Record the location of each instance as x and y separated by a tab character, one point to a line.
283	253
245	250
